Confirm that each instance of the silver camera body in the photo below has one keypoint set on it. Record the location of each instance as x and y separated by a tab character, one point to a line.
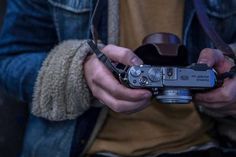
172	84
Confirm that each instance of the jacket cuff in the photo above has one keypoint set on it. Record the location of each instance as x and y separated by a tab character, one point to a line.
61	92
226	125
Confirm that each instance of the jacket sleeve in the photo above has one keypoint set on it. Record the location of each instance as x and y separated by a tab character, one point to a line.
27	35
225	125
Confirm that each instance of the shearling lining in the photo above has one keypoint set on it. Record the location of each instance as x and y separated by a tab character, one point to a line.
61	92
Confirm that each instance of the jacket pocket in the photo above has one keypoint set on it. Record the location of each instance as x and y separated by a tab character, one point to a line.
221	9
71	18
222	15
75	6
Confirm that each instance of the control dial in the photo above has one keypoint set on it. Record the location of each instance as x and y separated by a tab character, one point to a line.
135	71
155	74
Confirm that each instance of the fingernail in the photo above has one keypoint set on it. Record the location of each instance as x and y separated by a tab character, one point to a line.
202	61
136	61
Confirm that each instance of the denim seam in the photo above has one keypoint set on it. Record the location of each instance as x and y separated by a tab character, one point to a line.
100	121
55	21
63	6
217	15
36	146
67	133
187	27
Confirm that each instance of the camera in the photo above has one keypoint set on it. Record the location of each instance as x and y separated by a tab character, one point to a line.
166	70
172	84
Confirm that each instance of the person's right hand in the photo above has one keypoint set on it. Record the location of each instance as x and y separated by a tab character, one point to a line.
108	89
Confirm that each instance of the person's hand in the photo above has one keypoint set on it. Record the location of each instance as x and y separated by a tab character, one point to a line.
108	89
222	99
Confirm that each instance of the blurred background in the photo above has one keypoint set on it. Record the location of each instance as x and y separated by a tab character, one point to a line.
2	10
13	116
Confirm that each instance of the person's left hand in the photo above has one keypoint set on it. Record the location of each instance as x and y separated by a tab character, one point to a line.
222	99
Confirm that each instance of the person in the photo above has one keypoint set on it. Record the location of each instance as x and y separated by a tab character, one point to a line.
62	83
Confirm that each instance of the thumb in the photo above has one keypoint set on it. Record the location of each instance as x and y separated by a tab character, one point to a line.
210	57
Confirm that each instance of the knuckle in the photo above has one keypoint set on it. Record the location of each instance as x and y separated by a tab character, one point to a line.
95	92
126	54
206	52
115	94
113	90
94	78
117	90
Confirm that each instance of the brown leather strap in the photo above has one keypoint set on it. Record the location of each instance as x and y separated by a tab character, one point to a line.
210	31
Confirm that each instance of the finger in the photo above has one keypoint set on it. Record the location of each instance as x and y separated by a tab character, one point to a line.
219	106
103	78
220	96
223	108
210	57
122	55
122	106
215	99
229	112
119	91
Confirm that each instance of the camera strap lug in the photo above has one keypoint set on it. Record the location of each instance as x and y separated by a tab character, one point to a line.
119	73
231	74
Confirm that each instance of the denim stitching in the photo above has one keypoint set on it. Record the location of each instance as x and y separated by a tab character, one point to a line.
69	8
55	21
221	15
187	28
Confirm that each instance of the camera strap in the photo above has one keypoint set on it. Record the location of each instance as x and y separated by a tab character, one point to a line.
204	22
118	70
215	38
210	31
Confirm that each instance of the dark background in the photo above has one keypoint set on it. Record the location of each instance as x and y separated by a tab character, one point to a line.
13	116
2	10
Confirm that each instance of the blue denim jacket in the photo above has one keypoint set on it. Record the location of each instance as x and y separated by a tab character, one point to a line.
33	27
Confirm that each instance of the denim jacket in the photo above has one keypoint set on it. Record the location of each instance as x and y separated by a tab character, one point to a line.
33	27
